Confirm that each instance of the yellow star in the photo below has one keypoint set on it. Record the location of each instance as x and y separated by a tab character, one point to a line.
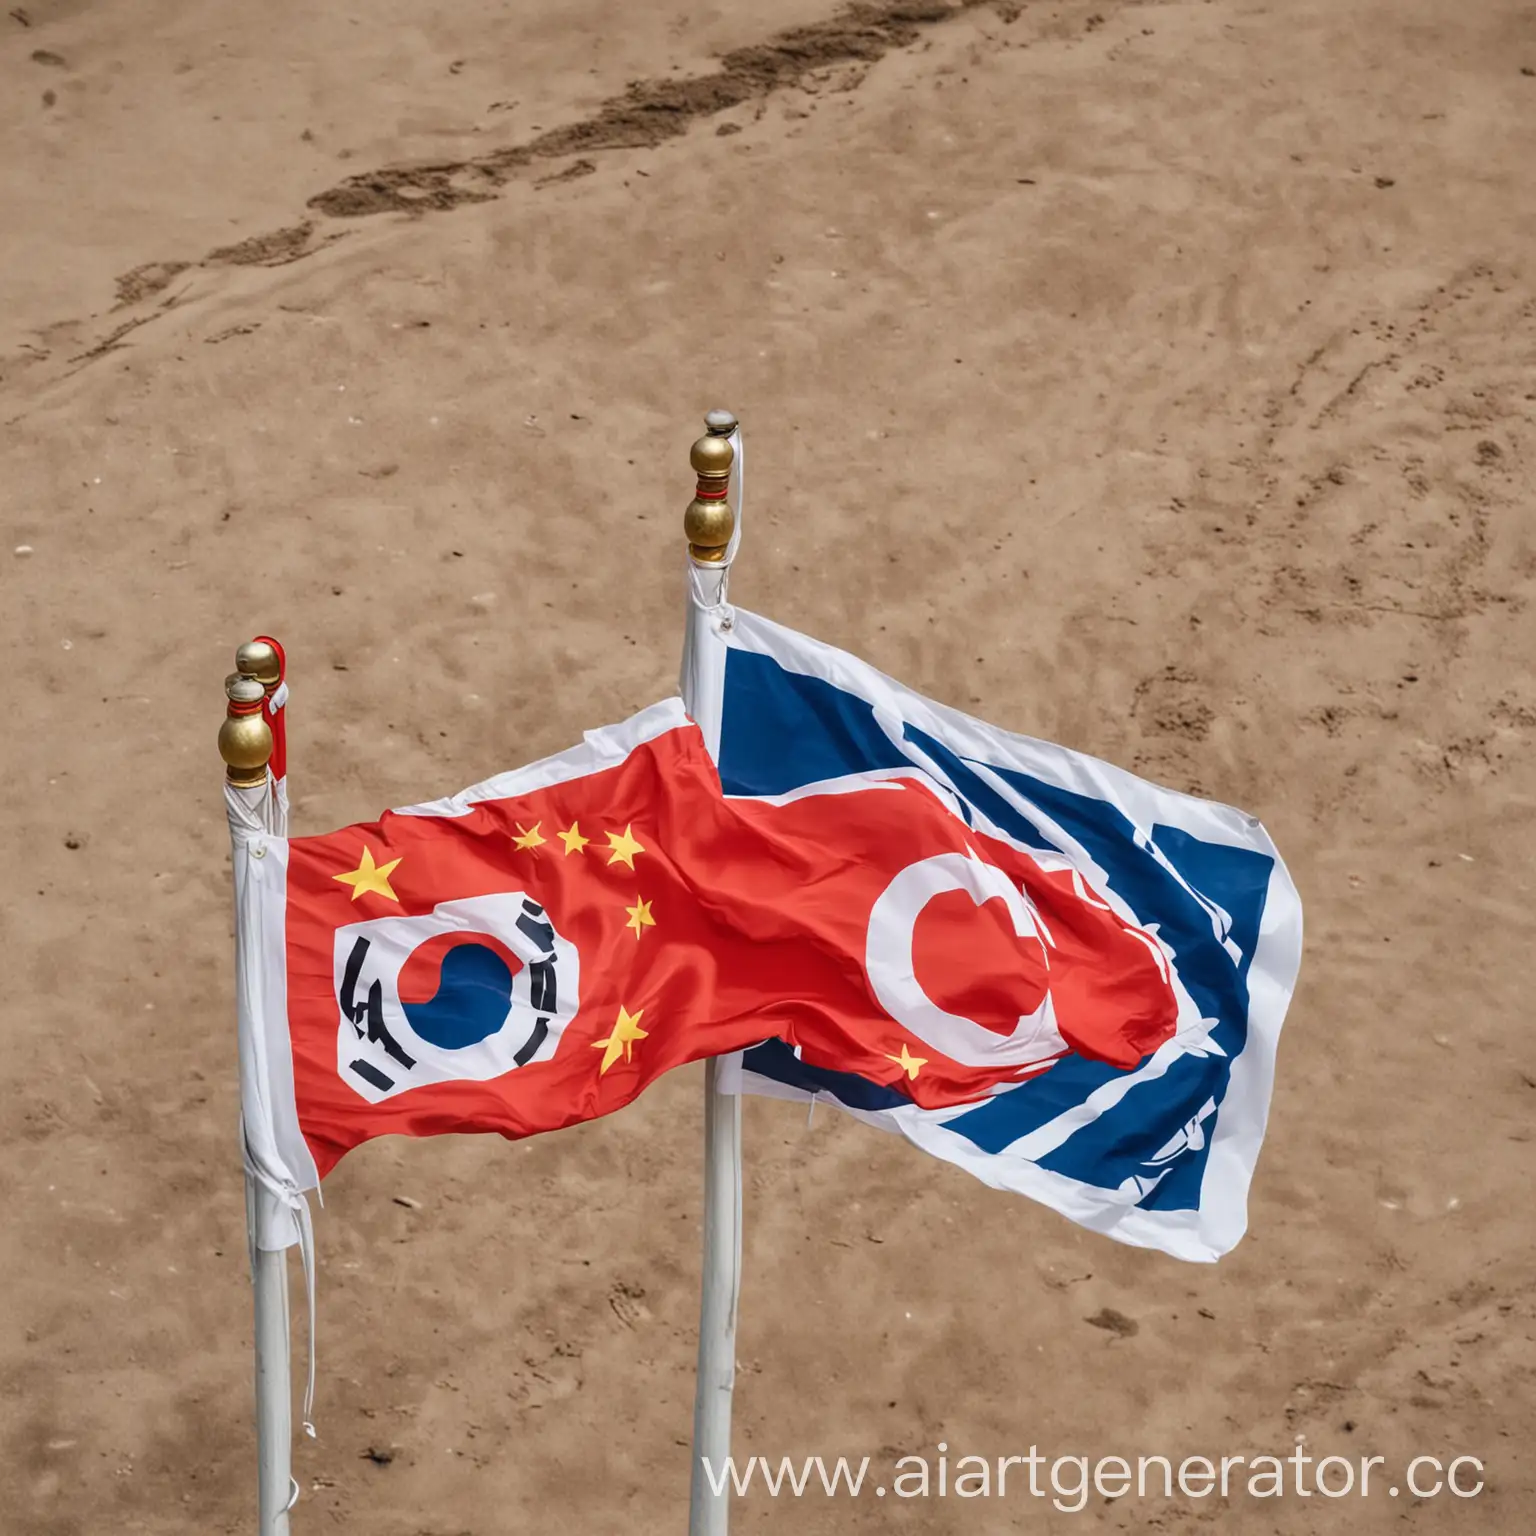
572	838
621	1041
909	1063
369	876
640	917
530	836
622	848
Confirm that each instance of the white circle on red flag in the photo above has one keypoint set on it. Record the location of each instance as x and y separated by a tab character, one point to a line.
892	971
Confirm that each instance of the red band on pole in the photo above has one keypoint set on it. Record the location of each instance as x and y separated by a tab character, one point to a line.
276	716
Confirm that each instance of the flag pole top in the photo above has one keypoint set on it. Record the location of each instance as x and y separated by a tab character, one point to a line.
709	521
259	659
245	739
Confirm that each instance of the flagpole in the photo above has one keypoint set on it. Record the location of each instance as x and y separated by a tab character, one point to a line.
710	526
245	744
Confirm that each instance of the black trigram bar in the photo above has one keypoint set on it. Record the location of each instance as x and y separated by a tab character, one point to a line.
540	933
371	1074
372	1010
541	986
349	984
531	1045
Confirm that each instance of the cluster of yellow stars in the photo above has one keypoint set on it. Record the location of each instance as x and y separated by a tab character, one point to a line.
372	878
622	846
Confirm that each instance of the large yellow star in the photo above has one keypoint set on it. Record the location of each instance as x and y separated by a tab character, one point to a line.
640	917
909	1063
370	877
621	1042
622	847
530	836
572	838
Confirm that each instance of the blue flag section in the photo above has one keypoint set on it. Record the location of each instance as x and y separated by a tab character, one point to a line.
1159	1155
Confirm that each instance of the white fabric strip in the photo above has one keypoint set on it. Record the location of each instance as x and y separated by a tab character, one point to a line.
604	748
276	1157
280	1158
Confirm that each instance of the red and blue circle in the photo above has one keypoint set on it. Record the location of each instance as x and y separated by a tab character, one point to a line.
456	988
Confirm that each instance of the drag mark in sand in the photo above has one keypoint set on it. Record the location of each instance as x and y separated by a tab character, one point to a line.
650	111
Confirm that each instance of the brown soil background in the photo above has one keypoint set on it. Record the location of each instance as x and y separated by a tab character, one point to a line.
1155	377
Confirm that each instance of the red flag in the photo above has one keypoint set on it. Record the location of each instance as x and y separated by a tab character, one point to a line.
535	951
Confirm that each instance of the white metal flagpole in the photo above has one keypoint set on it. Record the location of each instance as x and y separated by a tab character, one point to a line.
274	1387
709	1488
245	743
712	524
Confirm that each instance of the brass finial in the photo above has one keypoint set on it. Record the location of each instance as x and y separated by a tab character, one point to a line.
245	739
259	659
709	521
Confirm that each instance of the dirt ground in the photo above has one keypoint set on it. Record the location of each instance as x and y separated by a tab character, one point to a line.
1155	377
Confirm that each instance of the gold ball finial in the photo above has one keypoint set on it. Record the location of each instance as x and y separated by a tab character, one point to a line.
712	456
709	521
708	526
259	659
245	738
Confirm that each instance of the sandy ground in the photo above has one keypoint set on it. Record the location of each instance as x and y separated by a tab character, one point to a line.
1156	377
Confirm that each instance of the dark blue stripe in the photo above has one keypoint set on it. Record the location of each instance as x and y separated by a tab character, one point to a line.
780	730
773	1058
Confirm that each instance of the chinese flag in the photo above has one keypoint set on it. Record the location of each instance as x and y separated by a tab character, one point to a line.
536	950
